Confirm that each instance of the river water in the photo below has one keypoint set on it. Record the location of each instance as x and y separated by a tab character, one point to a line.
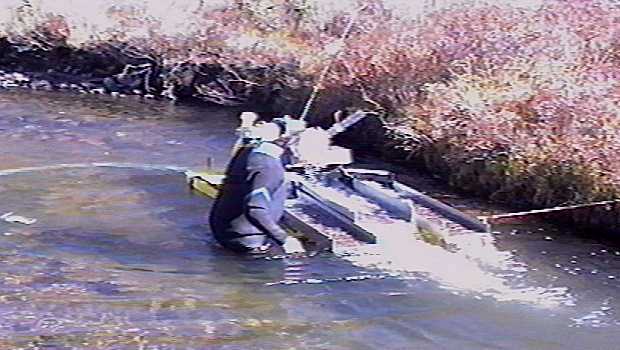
120	256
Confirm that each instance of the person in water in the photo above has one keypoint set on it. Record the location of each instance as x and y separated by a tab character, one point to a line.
245	215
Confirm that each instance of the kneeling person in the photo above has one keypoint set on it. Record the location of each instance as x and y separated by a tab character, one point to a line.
245	215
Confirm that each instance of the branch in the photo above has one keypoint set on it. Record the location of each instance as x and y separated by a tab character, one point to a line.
237	76
144	68
362	90
213	95
134	53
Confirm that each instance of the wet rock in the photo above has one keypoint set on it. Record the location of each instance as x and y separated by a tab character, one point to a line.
20	78
88	85
41	85
8	84
110	85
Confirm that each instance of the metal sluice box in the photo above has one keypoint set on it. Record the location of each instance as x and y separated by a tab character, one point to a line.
307	213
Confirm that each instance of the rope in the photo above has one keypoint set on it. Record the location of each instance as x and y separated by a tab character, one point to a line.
8	172
489	218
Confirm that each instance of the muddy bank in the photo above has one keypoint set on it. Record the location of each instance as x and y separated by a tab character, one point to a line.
119	70
280	89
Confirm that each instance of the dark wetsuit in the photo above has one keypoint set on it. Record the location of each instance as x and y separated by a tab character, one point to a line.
246	212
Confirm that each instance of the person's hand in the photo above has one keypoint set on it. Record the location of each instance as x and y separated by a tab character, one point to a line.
293	246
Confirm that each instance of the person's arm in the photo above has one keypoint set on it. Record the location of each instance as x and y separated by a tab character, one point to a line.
265	181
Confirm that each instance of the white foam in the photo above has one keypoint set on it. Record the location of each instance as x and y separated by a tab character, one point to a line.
473	264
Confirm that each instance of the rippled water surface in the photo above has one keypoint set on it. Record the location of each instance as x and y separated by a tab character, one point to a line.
120	256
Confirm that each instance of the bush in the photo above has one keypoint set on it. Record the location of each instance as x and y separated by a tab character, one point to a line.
544	106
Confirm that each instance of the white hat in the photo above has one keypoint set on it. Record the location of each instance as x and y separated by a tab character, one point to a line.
267	131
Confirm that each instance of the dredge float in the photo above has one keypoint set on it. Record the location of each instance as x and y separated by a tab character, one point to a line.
320	197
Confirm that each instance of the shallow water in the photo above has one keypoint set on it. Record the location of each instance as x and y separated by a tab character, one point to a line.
120	256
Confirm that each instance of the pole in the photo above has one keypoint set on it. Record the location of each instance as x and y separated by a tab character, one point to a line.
317	86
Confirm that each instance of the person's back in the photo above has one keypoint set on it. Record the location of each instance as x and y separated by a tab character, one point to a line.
251	200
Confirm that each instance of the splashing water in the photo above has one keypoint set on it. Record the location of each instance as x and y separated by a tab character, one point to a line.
475	266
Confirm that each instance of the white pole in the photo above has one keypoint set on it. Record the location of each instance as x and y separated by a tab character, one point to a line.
317	86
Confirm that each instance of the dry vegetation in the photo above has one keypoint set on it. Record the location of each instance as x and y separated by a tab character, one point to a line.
516	102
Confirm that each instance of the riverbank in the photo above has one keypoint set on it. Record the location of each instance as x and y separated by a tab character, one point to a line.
466	92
